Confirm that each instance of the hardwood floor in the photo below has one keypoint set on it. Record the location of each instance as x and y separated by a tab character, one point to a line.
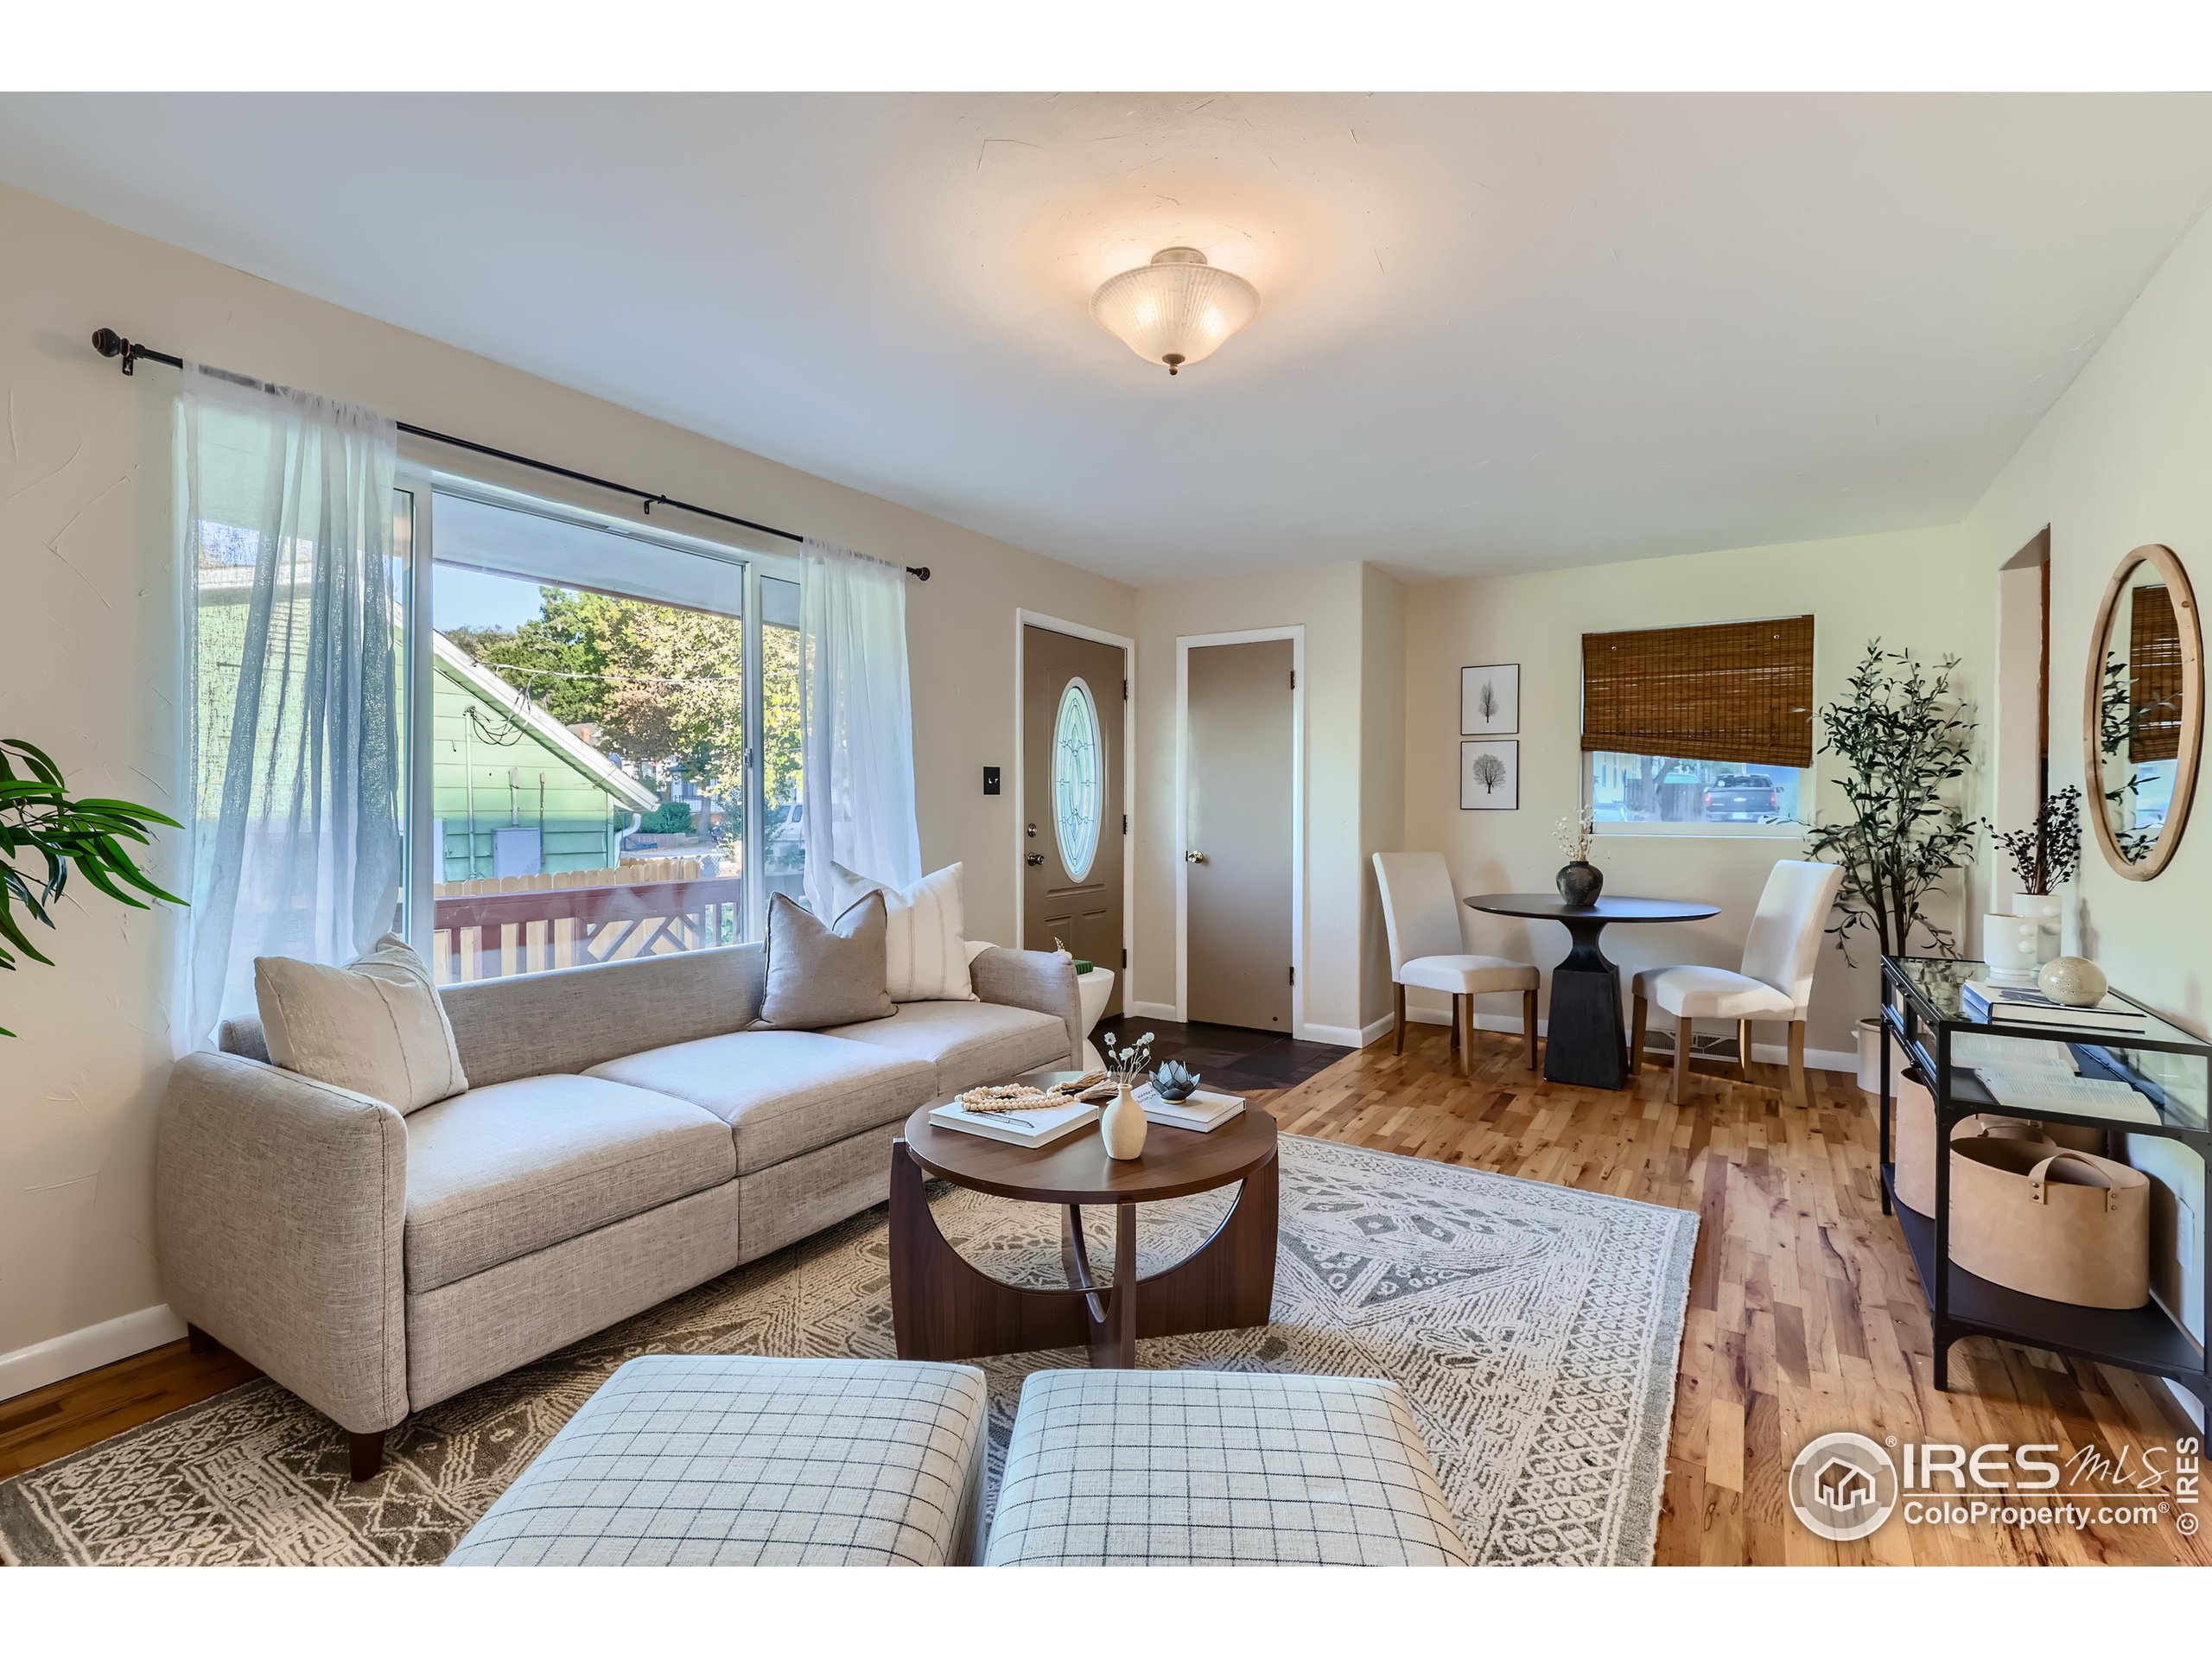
1804	1316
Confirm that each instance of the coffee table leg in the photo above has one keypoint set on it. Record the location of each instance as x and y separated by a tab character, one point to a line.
942	1308
1114	1336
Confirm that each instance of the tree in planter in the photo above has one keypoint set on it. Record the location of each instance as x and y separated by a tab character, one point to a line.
42	822
1905	737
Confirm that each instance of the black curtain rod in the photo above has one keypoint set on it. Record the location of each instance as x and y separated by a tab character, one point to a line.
108	343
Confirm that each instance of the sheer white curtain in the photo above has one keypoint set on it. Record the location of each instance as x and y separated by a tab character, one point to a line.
292	668
857	743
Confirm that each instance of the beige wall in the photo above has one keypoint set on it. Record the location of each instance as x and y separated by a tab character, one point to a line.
88	666
1349	711
2120	460
1905	588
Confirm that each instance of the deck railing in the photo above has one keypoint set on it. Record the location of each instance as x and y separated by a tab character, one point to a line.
526	923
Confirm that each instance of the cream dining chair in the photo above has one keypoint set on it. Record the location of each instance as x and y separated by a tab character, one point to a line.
1423	918
1775	983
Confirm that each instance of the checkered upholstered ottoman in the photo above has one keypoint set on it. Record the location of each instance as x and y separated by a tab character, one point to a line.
711	1460
1220	1468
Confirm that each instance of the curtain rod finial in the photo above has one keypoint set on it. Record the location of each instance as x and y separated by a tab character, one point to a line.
919	572
108	343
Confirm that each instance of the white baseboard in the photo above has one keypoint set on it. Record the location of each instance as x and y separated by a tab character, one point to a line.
75	1352
1816	1060
1151	1010
1345	1036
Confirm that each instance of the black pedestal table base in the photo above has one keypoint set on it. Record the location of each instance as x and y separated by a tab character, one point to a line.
1585	1042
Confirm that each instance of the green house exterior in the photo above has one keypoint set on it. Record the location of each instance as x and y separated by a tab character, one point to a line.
499	763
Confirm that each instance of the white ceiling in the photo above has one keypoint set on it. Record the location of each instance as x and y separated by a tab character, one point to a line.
1497	332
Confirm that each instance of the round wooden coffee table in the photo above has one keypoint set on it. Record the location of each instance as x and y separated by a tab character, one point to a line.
942	1308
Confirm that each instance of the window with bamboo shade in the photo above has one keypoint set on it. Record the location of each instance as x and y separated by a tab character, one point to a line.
2154	677
1710	724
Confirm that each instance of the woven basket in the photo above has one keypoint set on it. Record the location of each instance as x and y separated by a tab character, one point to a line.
2062	1225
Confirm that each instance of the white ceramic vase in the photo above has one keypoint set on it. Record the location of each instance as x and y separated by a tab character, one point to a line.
2049	911
1122	1126
1870	1059
2012	945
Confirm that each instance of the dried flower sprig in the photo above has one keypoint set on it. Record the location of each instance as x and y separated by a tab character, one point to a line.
1128	1064
1574	833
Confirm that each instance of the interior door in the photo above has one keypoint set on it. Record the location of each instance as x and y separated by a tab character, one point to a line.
1237	836
1075	838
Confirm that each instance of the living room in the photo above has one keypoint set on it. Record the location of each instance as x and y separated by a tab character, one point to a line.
600	974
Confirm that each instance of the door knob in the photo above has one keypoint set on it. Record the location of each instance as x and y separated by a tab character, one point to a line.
1194	858
1034	858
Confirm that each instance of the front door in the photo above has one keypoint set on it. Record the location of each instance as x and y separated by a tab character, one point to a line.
1237	838
1074	836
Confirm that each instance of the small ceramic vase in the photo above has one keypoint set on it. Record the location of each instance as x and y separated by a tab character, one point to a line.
2009	945
2050	912
1580	882
1123	1126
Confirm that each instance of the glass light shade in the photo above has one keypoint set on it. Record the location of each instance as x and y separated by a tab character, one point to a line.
1176	310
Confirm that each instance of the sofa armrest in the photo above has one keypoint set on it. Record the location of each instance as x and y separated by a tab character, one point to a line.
280	1211
1042	980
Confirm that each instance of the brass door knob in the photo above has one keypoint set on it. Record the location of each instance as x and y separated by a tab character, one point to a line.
1194	858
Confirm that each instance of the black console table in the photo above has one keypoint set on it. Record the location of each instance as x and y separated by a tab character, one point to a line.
2171	1068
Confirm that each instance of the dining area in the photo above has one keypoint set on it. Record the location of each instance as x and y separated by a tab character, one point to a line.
1587	1032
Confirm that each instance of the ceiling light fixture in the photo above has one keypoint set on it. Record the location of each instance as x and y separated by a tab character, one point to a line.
1176	310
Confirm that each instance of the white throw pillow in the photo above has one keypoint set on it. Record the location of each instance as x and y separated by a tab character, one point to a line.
925	946
376	1028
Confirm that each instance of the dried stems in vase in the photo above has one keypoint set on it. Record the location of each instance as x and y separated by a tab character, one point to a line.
2048	853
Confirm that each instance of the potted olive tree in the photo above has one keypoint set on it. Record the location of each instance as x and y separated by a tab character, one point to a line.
1904	736
46	833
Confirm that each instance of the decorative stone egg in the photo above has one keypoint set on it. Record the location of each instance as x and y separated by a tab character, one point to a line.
2073	981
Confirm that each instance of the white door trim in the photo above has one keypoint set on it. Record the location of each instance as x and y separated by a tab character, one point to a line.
1184	644
1128	648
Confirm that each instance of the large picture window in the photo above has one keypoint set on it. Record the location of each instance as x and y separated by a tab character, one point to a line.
609	736
1699	730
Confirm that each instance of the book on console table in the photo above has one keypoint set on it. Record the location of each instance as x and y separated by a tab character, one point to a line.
2020	1006
1204	1110
1023	1127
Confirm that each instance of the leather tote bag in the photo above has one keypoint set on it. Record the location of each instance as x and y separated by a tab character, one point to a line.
2063	1225
1912	1138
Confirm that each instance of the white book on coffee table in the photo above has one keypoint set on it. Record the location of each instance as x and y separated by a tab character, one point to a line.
1203	1109
1025	1126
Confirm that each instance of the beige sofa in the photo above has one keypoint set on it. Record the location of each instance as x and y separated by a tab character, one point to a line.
625	1137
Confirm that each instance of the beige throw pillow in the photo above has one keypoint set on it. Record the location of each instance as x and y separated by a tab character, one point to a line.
376	1028
820	975
925	946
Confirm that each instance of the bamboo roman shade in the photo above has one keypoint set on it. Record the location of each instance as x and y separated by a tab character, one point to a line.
1736	692
2154	666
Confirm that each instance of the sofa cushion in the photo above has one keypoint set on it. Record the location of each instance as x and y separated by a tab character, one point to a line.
822	972
376	1027
783	1092
500	1171
967	1043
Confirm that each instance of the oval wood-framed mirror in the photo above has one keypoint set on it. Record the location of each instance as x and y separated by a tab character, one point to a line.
2143	712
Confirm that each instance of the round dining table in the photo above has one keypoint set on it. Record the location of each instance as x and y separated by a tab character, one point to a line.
1585	1041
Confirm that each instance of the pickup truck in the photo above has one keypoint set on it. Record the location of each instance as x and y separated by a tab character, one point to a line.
1740	798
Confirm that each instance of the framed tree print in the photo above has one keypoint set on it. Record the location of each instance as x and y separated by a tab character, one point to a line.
1490	776
1490	700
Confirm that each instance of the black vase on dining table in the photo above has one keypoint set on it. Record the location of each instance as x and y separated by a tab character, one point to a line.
1580	882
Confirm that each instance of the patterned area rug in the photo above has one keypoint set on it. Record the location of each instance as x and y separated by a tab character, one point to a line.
1535	1330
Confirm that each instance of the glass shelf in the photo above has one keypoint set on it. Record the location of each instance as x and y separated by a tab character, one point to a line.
2169	1068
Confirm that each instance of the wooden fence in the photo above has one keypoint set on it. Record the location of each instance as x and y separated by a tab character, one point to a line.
526	923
